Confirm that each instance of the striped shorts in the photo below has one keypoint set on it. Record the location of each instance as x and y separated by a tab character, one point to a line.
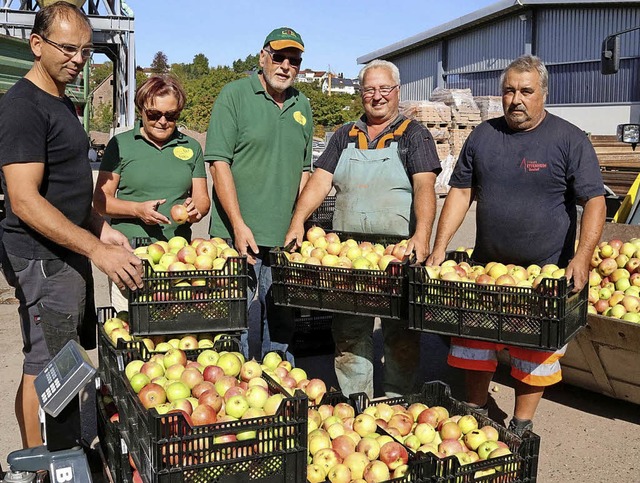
531	366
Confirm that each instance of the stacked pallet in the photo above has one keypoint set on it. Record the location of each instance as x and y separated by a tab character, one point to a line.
619	162
490	106
464	110
436	117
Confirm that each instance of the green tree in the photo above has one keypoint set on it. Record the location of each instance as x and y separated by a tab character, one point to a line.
102	119
201	95
160	63
251	62
330	112
141	77
99	73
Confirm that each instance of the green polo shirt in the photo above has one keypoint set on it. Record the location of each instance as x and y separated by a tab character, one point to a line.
267	148
149	173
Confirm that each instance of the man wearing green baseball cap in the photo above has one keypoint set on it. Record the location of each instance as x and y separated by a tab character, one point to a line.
259	146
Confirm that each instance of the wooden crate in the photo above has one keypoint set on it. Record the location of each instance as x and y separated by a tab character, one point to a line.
605	356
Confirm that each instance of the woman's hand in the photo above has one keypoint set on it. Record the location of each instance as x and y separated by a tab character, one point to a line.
192	210
148	212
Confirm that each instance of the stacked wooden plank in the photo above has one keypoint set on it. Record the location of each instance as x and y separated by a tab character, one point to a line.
490	106
619	162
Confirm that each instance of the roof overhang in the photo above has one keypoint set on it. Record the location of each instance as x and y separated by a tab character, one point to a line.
473	19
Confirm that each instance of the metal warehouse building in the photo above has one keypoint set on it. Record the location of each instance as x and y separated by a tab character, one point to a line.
471	52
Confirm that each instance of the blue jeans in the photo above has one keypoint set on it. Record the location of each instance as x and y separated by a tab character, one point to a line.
277	334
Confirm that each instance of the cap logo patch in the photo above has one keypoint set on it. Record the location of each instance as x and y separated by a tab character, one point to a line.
183	153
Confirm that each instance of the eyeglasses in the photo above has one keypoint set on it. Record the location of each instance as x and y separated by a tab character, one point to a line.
384	91
70	50
155	115
279	58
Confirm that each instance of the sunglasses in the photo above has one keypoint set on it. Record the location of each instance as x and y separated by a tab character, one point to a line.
279	58
155	115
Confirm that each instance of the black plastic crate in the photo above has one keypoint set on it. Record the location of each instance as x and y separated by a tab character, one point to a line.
111	358
312	334
361	292
166	449
218	303
519	467
546	317
323	216
114	451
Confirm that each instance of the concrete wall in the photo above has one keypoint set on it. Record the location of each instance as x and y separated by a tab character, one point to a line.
598	119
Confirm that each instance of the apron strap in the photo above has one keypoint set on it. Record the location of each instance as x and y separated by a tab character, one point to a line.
394	135
362	139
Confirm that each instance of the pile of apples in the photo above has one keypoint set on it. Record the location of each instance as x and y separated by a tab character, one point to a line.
494	273
345	447
216	387
614	280
117	328
326	249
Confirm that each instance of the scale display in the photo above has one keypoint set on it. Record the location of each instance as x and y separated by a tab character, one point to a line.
67	373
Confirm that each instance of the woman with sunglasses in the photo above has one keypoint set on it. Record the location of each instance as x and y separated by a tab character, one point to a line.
149	169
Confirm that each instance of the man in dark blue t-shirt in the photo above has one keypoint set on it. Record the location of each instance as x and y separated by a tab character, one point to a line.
526	171
51	233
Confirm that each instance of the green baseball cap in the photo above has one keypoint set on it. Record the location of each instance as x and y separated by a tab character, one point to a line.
284	37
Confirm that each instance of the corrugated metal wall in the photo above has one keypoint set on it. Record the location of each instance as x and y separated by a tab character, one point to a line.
576	35
567	39
418	70
488	48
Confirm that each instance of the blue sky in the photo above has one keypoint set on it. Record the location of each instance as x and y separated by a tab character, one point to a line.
335	33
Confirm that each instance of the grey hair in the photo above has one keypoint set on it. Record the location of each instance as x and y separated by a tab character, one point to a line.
528	63
380	64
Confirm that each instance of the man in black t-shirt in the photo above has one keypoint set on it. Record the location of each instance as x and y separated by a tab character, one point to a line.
526	171
51	233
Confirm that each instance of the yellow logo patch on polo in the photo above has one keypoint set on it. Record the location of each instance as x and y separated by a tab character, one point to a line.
183	153
299	117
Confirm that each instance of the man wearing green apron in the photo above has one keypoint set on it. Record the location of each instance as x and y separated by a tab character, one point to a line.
383	168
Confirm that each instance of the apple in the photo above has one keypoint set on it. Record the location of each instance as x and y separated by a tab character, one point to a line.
317	441
203	415
450	447
370	447
117	334
224	383
344	411
316	474
138	381
485	449
467	423
250	370
314	233
490	432
230	364
183	405
429	416
340	473
327	458
179	214
111	324
376	471
316	389
200	388
402	422
132	368
474	438
272	404
211	398
364	424
257	396
356	462
212	372
191	377
343	445
152	369
152	395
174	356
425	433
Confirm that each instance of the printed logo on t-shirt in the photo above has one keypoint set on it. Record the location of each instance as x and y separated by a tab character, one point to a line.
183	153
532	166
299	117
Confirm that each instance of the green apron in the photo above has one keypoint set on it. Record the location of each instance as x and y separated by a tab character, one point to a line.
373	192
373	195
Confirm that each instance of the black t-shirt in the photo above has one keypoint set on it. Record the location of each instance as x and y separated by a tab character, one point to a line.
38	127
526	187
416	147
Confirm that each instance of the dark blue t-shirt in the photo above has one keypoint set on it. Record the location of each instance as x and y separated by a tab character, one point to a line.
526	186
36	127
